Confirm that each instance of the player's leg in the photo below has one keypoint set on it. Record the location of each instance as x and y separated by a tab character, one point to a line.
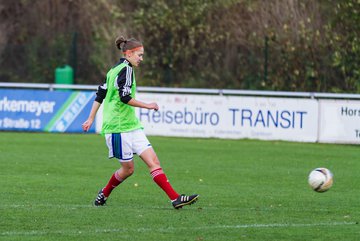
158	175
126	170
148	155
120	148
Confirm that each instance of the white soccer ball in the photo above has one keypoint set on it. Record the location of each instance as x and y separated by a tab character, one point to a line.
320	179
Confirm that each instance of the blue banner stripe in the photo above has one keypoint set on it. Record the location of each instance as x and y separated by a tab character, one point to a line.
72	111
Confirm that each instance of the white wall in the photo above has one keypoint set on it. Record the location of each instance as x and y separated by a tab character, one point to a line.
339	121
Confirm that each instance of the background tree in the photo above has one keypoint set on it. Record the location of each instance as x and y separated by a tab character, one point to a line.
294	45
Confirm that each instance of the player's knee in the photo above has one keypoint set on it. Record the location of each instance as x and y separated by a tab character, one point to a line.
154	164
130	171
156	161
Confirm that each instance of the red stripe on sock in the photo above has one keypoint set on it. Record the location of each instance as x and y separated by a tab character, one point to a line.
156	172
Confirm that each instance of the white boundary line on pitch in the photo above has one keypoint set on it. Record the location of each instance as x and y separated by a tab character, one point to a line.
169	229
47	205
90	205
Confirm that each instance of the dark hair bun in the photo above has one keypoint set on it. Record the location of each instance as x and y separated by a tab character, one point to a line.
120	40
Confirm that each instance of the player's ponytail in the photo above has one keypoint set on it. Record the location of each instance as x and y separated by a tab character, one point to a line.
127	44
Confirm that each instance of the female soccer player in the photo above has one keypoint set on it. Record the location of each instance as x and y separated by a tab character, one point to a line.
123	131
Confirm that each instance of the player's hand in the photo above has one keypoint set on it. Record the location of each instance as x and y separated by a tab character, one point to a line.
87	124
153	106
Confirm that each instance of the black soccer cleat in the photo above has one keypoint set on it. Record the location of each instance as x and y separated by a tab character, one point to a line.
100	199
183	200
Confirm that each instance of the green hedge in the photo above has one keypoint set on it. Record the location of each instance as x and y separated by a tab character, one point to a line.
299	45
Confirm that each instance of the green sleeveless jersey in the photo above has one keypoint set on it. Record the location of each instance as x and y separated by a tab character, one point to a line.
118	116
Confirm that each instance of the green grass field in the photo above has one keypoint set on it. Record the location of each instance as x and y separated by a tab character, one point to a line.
249	190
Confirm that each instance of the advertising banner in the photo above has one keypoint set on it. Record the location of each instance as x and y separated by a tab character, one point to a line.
43	110
339	121
230	117
186	115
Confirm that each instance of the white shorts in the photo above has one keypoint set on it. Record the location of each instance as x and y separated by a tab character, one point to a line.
124	145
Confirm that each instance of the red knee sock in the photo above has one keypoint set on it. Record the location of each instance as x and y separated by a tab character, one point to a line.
114	181
161	180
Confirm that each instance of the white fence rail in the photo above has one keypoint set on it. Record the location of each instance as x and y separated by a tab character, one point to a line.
312	95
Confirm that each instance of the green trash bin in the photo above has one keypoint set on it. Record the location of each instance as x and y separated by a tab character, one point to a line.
64	75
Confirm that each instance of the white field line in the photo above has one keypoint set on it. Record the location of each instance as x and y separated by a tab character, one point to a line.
171	229
47	205
75	206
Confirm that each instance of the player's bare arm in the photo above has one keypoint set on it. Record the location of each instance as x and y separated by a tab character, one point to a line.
87	124
137	103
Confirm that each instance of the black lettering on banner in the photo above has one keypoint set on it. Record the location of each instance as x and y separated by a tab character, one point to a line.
345	111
